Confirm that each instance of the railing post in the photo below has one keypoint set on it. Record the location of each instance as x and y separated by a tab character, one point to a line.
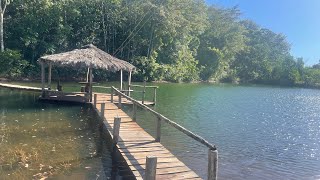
116	130
134	116
158	137
103	106
144	92
95	100
155	95
120	104
129	90
151	168
212	164
111	94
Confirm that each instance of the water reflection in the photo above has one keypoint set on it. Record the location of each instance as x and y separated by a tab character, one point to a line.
261	132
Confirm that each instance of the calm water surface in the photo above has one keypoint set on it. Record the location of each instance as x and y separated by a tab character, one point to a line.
261	132
49	140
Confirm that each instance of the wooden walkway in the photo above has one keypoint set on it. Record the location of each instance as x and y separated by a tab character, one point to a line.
63	96
19	87
135	145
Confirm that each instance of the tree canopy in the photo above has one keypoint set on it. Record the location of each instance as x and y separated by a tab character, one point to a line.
172	40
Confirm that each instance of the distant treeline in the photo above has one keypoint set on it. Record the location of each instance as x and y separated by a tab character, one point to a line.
170	40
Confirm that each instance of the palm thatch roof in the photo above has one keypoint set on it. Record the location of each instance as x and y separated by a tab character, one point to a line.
88	56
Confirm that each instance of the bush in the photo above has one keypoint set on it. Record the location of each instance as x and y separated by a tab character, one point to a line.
12	64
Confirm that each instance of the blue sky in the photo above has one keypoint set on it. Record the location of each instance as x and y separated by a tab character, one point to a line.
299	20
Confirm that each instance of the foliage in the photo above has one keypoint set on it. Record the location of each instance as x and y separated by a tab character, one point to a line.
12	64
172	40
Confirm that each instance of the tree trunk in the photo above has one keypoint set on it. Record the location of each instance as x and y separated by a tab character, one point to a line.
1	32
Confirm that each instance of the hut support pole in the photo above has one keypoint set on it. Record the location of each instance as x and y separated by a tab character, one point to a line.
129	83
42	78
121	78
88	75
49	76
90	84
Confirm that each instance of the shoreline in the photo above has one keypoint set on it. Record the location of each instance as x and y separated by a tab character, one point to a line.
28	80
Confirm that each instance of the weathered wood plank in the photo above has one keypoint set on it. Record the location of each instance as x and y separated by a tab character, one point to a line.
135	144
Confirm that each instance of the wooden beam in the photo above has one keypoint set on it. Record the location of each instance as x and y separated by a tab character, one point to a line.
212	164
90	84
129	83
103	107
158	136
88	75
121	79
95	100
143	92
43	78
112	95
120	103
155	95
116	130
151	168
49	76
134	116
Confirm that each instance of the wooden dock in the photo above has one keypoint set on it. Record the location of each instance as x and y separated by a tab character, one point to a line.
19	87
78	97
144	155
135	145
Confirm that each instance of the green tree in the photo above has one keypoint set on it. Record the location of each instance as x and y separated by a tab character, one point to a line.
220	42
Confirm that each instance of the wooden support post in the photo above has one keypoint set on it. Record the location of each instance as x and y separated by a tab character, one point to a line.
158	137
112	95
49	76
103	107
88	71
116	130
90	84
143	92
129	83
151	168
42	79
134	116
155	95
212	164
95	100
121	79
120	104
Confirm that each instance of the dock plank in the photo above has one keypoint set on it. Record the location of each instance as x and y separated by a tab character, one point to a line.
135	144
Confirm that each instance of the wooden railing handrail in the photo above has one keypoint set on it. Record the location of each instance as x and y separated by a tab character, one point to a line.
142	86
104	87
167	120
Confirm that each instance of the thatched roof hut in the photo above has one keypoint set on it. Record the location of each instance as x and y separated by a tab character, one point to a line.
88	56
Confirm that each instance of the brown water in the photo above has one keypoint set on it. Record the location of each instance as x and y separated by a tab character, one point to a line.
49	140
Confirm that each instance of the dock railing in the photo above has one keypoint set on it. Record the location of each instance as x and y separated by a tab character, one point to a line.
212	150
143	89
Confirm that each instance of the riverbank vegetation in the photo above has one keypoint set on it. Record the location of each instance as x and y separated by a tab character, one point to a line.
168	40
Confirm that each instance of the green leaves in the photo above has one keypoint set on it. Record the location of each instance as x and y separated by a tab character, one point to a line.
12	64
173	40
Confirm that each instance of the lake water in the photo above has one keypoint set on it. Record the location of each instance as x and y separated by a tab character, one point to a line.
49	140
261	132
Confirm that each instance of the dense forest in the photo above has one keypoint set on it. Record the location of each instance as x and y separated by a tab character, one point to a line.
168	40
